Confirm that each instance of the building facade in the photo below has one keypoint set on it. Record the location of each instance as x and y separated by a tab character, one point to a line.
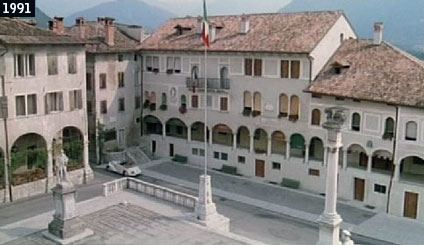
43	108
265	118
113	83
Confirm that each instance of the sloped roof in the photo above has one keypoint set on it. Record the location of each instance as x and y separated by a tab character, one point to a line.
380	73
95	34
14	31
277	32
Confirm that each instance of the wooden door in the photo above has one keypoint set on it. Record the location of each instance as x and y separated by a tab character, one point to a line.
171	150
359	189
260	168
410	205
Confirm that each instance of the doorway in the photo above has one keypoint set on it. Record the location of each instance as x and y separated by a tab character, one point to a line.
171	150
260	168
153	146
359	189
410	205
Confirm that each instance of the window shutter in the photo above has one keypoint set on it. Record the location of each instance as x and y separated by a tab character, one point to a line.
79	96
258	67
248	67
195	101
46	104
284	104
295	69
257	101
247	99
411	131
170	63
60	100
284	69
71	100
224	104
177	64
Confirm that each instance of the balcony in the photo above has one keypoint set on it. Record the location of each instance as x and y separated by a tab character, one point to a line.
214	84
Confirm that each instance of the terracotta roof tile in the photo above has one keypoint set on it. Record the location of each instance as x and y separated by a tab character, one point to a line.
14	31
380	73
279	32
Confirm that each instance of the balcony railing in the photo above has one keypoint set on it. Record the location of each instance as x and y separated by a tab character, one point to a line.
213	83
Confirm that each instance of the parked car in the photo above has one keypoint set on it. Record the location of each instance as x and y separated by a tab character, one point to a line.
126	168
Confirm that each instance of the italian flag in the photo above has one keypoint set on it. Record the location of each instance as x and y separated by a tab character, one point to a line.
205	27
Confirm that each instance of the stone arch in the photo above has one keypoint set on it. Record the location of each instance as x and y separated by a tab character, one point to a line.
382	161
198	132
243	137
260	141
152	125
71	140
28	159
222	135
357	157
297	146
176	128
412	168
278	143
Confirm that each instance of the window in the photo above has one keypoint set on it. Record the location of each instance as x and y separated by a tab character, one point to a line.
89	81
276	166
121	104
247	100
389	128
241	159
72	63
294	108
216	155
54	102
195	151
313	172
149	63
202	152
295	69
169	65
102	80
195	72
20	105
52	64
183	100
316	117
177	65
224	104
248	67
155	64
341	37
30	64
110	135
209	101
411	131
103	107
137	102
380	188
120	57
121	82
135	57
284	106
257	102
75	99
24	65
356	122
195	101
32	104
284	69
164	102
258	67
224	156
89	107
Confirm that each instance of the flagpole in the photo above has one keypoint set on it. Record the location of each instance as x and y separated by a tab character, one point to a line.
206	111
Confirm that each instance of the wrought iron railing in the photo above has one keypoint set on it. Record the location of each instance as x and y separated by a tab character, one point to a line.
213	83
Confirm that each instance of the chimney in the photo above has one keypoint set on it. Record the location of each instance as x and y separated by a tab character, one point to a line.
109	31
244	25
378	33
56	25
199	25
80	22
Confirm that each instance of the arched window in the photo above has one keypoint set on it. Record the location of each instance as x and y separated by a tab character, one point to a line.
294	108
284	106
183	100
356	122
153	98
195	72
411	131
316	117
223	75
257	104
247	100
389	128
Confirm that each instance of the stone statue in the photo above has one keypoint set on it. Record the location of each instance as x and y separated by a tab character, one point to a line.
61	162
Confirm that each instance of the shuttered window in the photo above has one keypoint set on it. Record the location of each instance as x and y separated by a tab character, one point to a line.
103	106
411	131
72	63
20	105
258	67
121	104
103	81
316	117
52	64
224	104
295	69
284	105
75	99
149	63
53	102
177	64
356	122
248	67
247	100
32	104
284	69
121	79
195	101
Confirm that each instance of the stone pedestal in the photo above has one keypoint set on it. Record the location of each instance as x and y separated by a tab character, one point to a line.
205	211
66	226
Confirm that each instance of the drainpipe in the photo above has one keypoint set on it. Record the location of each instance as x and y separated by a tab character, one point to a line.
7	163
393	159
311	59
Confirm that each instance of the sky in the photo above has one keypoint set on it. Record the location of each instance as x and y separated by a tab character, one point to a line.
179	7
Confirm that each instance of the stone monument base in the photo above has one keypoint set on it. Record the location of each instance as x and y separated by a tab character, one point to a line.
84	234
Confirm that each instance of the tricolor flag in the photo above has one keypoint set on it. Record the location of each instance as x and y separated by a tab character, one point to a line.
205	27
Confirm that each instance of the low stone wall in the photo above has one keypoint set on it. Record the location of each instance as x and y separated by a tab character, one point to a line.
39	187
114	156
160	192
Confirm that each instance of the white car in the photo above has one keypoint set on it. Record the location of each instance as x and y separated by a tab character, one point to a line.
126	168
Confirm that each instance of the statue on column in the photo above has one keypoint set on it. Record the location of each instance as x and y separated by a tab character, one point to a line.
61	162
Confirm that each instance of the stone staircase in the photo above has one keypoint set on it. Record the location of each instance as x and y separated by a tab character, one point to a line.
137	155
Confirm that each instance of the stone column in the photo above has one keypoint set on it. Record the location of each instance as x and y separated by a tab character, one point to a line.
396	175
330	220
324	163
369	164
251	150
306	159
288	150
234	141
50	177
88	172
164	132
188	135
269	146
210	137
345	159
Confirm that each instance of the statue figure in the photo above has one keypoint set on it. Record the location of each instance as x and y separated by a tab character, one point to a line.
61	162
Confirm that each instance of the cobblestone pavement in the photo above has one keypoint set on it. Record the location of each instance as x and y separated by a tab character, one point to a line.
267	193
132	224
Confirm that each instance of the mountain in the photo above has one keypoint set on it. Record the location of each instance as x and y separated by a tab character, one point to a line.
403	20
132	12
41	18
